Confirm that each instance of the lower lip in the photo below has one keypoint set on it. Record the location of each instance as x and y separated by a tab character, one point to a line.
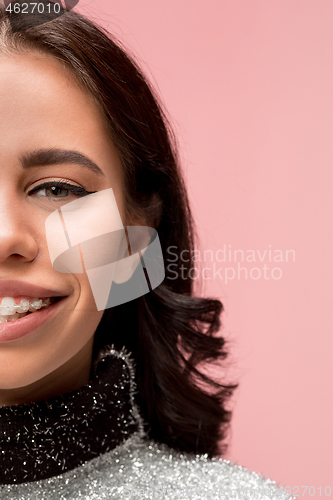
21	327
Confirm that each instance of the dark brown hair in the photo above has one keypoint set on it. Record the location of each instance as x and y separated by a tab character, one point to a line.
169	332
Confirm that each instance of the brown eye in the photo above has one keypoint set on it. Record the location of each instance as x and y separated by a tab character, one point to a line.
56	192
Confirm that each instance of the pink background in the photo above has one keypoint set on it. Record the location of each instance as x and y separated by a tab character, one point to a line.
249	88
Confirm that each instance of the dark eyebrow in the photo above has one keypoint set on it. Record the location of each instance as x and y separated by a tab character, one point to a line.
42	157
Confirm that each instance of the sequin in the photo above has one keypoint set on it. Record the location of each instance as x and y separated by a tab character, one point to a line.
140	468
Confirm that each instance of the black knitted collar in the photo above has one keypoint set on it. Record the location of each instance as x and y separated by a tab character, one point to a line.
46	438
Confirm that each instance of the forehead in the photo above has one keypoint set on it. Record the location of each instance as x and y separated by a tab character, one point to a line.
44	87
42	103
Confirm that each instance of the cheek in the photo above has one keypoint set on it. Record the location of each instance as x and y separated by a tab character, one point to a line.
84	303
85	238
119	195
81	323
68	339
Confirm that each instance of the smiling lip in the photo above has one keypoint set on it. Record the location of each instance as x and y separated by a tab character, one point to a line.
21	327
11	288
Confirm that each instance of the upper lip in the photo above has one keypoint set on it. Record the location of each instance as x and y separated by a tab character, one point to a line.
11	288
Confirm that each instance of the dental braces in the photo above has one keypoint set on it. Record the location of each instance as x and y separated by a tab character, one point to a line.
23	306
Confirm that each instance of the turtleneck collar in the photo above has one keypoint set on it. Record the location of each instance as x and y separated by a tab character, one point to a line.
46	438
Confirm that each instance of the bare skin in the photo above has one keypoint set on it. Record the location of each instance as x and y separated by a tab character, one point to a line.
41	106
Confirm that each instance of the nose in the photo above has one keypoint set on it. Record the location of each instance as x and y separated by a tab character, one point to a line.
17	240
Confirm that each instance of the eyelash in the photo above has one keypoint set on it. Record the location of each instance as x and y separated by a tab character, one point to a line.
76	190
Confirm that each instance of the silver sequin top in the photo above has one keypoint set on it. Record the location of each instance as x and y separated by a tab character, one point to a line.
139	468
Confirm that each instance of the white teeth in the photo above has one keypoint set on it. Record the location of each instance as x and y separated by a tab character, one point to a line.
10	311
23	306
5	319
8	302
35	305
8	307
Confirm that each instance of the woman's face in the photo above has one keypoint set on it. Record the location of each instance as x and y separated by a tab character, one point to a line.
41	107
